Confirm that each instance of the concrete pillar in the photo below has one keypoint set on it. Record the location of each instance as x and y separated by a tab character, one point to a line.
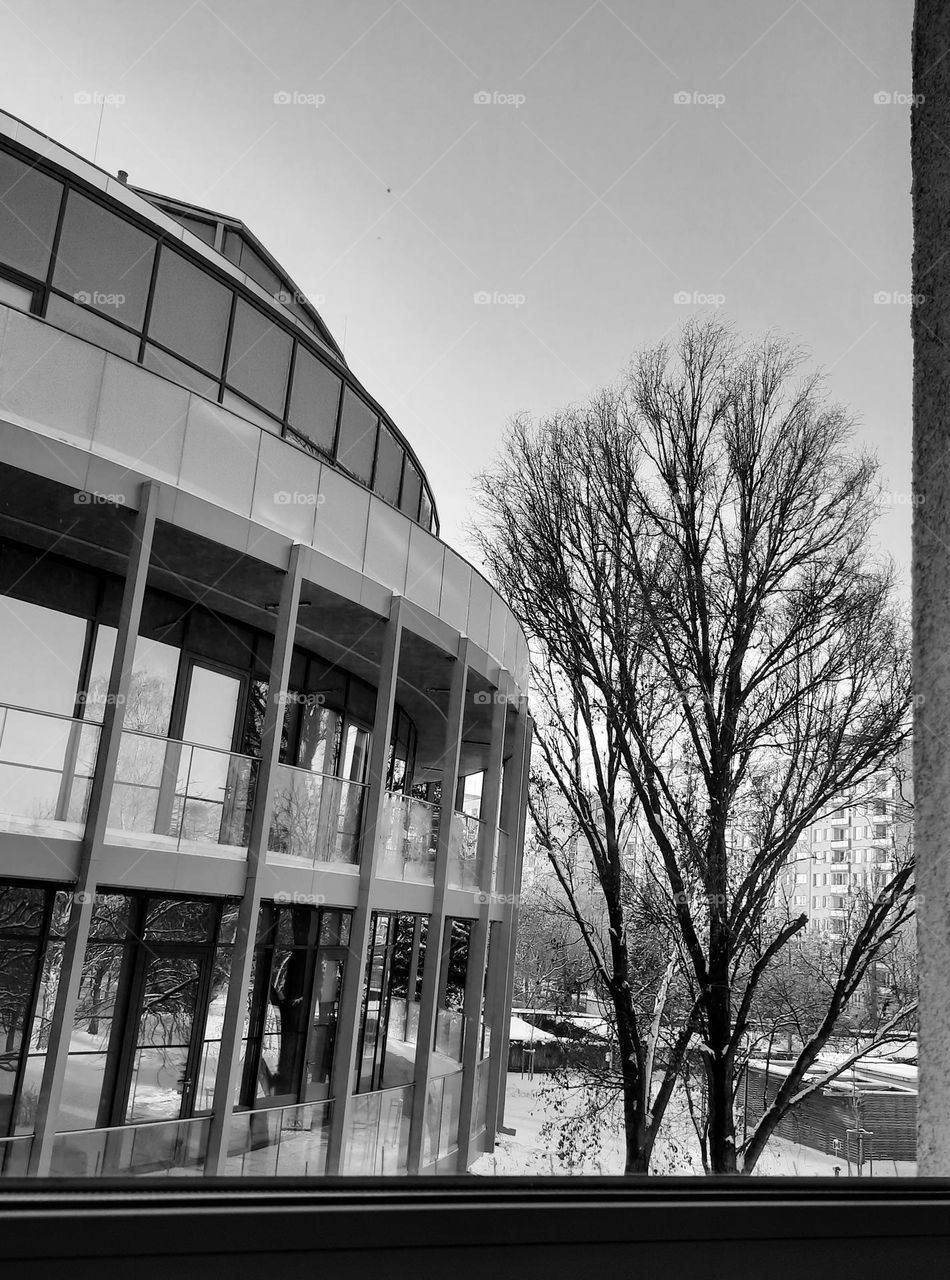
478	950
428	1000
505	961
97	817
242	956
344	1053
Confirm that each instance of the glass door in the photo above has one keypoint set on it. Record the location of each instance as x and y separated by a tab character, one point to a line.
168	996
213	784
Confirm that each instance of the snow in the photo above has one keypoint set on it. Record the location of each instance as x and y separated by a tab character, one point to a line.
521	1031
676	1150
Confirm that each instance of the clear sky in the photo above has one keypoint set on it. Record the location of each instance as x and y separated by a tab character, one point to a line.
583	197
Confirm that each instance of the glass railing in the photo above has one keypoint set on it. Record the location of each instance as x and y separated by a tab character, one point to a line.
480	1118
449	1025
172	794
408	838
137	1150
377	1135
464	832
279	1140
440	1136
46	766
500	865
316	817
15	1156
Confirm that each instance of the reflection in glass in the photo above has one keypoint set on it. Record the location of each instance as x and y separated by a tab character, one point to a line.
388	465
42	656
357	444
314	399
28	213
190	312
103	261
259	359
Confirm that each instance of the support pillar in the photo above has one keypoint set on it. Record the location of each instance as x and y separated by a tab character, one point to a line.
344	1053
97	817
431	972
242	956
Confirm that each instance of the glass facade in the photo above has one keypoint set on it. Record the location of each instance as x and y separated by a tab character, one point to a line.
90	269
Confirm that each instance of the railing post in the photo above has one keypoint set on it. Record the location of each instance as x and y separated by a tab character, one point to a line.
344	1053
478	950
511	888
430	973
97	817
242	956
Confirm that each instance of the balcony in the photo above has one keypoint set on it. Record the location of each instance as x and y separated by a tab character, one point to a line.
136	1150
840	844
181	796
316	818
464	834
46	766
408	839
377	1136
279	1140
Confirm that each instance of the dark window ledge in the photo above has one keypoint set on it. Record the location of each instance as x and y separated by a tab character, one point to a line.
457	1227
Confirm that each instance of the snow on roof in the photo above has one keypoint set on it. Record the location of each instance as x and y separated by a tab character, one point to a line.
524	1031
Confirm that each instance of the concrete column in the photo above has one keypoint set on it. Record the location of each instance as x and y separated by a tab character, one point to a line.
929	320
430	975
242	956
478	951
505	961
344	1052
97	817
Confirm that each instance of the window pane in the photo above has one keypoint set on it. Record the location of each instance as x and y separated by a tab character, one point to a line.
15	295
255	266
92	327
425	510
29	206
169	367
388	465
203	230
260	358
190	312
154	672
357	437
42	654
104	261
314	399
411	489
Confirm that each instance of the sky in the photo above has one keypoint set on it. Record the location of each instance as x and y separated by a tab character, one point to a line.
495	204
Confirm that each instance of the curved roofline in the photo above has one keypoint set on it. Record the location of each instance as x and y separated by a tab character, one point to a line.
147	213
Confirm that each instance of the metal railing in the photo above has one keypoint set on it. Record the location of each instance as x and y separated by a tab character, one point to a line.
316	817
181	793
46	765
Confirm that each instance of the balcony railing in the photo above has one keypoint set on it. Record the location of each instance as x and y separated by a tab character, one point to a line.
46	766
279	1140
464	835
408	839
136	1150
179	794
15	1156
316	817
377	1137
441	1134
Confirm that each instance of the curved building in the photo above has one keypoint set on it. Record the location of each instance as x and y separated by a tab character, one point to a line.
263	736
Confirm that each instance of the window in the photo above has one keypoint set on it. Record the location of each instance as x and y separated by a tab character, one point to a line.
411	490
42	656
453	974
29	207
190	312
314	399
24	912
425	510
103	261
391	993
298	973
177	371
203	230
16	295
260	358
357	445
388	473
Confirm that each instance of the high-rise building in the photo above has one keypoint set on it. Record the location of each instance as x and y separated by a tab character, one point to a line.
263	736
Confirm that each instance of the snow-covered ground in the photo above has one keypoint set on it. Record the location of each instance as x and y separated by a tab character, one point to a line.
676	1151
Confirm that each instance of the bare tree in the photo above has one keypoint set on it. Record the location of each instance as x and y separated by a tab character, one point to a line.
715	644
